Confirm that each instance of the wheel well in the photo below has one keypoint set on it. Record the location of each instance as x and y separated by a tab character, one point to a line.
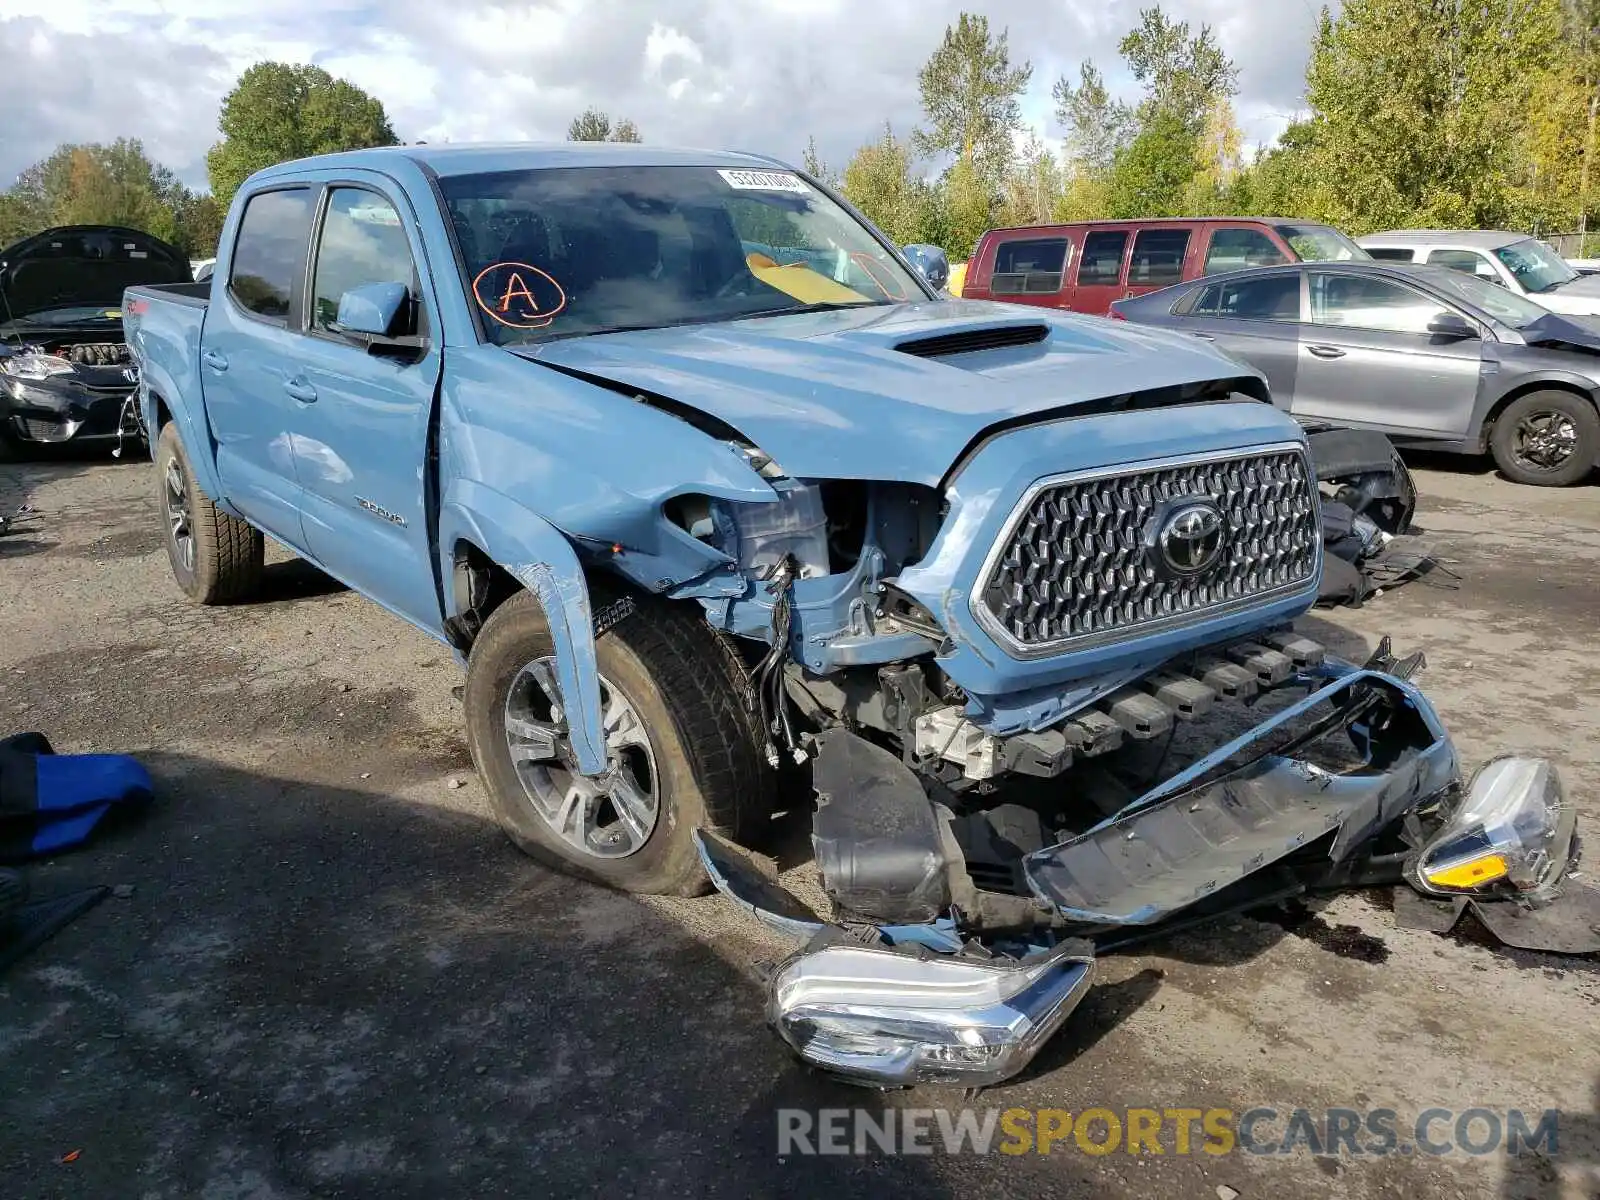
480	585
1505	402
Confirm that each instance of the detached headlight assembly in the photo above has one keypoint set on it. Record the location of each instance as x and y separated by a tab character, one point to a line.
888	1018
34	366
1513	831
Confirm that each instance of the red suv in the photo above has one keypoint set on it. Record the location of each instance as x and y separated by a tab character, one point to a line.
1087	265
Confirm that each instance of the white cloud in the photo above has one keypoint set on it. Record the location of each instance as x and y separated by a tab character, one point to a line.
751	74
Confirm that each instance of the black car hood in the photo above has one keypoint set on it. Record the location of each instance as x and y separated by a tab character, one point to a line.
82	266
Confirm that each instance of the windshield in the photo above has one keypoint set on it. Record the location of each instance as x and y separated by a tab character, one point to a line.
1504	306
582	250
1320	243
1537	268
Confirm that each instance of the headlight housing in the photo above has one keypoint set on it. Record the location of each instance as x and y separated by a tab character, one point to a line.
34	366
892	1019
1512	830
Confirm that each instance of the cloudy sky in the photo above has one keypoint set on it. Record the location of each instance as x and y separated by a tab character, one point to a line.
745	74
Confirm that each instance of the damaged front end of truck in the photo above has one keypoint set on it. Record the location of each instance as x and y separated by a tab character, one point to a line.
1029	638
1107	730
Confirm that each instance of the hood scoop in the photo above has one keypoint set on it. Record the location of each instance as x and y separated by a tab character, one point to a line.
969	341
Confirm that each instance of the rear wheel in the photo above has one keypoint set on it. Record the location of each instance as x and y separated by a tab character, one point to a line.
1548	439
215	558
679	742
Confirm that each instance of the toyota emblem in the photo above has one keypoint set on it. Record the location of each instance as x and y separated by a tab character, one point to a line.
1190	540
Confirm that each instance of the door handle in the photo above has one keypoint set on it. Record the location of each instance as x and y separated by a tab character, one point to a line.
215	361
1326	351
1206	337
300	390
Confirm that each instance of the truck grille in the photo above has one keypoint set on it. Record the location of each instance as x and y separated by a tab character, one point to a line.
1081	560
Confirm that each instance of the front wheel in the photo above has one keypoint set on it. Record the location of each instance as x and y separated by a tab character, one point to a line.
1548	439
680	746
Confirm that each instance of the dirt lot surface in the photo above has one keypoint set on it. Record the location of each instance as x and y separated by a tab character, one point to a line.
333	977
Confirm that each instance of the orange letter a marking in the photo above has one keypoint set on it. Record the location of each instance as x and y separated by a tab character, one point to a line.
515	287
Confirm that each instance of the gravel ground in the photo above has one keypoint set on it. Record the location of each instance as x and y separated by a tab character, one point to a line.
333	977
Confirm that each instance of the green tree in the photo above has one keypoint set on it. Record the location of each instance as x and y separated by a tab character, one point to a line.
198	218
1183	74
1150	176
878	180
1097	125
970	95
1420	110
281	111
1034	186
111	184
815	167
592	125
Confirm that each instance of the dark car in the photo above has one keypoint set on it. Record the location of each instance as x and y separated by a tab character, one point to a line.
1086	265
1427	355
65	374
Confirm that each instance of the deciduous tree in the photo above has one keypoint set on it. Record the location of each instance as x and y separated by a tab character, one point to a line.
970	97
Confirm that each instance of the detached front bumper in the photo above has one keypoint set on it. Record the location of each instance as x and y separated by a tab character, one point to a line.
968	998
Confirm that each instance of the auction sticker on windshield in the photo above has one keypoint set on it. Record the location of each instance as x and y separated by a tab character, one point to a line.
765	181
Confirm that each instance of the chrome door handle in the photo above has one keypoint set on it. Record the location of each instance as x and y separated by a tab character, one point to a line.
215	361
1326	351
300	390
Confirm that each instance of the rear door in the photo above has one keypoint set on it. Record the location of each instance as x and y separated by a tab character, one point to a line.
1157	258
1367	359
1257	319
1031	270
247	358
1098	279
365	404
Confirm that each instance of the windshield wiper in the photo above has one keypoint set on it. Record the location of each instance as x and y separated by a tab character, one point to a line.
818	306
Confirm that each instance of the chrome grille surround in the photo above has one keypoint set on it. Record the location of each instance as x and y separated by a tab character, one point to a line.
1073	568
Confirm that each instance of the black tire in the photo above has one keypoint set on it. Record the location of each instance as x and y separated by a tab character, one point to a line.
224	561
687	687
1505	439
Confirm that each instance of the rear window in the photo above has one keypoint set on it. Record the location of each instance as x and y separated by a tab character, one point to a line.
269	254
1102	258
1034	265
1276	298
1391	254
1158	257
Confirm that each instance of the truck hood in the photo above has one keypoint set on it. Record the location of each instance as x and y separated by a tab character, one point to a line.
888	392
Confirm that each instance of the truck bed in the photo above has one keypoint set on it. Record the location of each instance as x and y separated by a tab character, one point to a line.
195	295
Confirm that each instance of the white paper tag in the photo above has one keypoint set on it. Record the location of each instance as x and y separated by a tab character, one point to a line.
765	181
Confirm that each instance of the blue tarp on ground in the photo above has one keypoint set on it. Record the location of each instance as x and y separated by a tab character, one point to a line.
51	802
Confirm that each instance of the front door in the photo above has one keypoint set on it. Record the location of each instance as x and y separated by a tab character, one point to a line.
366	404
246	357
1367	360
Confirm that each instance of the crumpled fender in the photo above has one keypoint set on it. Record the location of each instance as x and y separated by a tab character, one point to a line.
538	556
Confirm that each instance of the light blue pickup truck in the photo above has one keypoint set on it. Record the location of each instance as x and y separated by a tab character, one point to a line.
726	512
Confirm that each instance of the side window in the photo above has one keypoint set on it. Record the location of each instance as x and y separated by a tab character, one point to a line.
1276	298
1102	258
1158	257
270	251
1468	262
1391	254
1360	303
363	241
1236	249
1034	265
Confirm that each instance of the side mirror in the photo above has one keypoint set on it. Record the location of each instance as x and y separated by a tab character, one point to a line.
1452	326
376	309
931	263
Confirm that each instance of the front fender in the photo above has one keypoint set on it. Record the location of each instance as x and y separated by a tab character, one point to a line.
538	556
